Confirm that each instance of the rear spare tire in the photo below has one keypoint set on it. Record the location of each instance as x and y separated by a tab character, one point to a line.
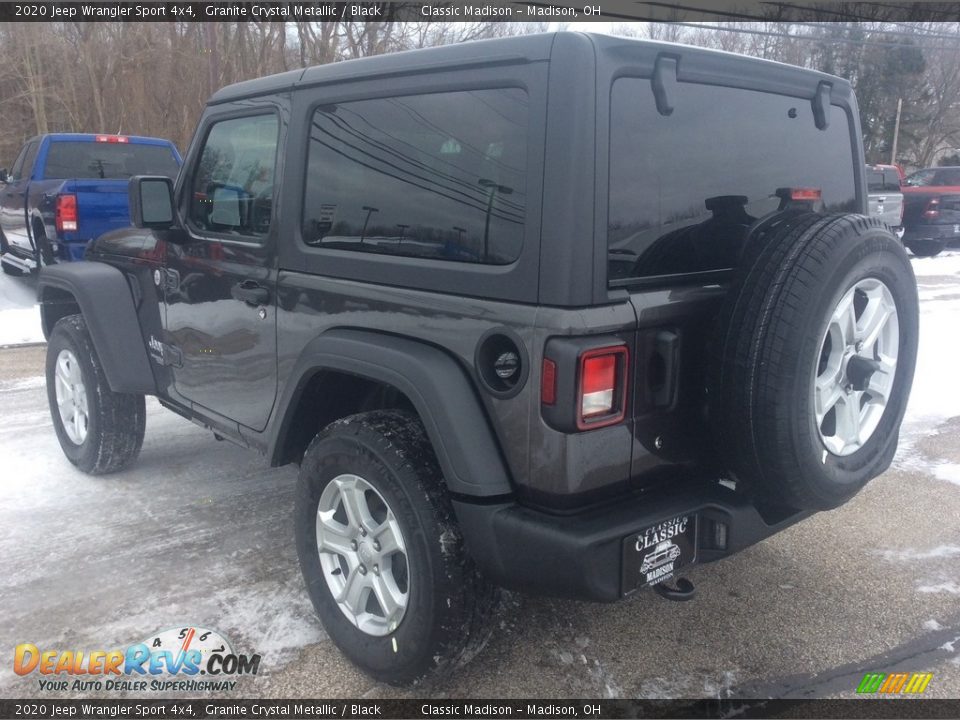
817	343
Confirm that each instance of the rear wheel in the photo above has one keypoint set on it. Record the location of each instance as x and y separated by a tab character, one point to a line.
381	552
818	341
925	248
100	431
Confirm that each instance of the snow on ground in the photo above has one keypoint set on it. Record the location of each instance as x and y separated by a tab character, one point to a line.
19	312
935	396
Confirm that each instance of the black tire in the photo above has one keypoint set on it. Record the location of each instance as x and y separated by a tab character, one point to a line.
925	248
116	421
447	616
770	336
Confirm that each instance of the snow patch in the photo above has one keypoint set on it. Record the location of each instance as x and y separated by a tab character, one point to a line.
947	587
31	383
19	326
932	625
940	551
947	471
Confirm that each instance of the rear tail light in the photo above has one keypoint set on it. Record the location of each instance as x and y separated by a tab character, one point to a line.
602	387
804	193
933	209
66	213
113	138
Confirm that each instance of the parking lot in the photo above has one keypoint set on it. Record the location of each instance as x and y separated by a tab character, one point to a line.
199	532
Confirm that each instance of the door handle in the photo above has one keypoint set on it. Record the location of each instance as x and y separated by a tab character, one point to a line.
251	292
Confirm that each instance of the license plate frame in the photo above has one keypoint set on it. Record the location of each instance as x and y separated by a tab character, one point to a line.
655	553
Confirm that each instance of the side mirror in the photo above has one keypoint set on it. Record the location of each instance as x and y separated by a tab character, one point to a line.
151	202
225	205
4	176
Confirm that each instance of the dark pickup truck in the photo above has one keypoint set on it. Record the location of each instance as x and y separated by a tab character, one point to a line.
931	213
66	189
565	314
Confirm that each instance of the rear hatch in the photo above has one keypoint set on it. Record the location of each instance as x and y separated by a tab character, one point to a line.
685	187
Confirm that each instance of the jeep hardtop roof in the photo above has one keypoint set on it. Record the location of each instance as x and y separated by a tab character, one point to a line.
637	57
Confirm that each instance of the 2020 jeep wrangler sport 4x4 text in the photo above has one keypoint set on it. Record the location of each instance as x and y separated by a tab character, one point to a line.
561	314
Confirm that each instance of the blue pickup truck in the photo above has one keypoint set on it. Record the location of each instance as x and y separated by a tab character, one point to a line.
65	189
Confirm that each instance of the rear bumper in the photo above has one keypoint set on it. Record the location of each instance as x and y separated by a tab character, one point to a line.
943	232
580	556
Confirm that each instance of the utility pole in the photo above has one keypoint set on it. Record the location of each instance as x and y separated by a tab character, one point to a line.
896	132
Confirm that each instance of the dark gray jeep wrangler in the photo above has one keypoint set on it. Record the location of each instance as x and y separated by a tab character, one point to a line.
562	314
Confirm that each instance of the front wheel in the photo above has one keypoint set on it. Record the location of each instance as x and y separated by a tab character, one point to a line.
100	431
381	552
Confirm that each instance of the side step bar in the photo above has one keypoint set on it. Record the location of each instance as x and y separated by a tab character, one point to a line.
27	266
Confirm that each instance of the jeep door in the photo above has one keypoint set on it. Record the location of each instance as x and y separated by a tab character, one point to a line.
220	277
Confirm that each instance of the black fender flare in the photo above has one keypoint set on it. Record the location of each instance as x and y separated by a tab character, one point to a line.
107	305
437	386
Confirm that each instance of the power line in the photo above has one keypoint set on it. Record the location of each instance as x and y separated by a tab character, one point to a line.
814	25
808	38
861	18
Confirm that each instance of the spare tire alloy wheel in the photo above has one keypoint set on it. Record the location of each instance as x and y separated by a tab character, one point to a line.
817	343
856	367
363	555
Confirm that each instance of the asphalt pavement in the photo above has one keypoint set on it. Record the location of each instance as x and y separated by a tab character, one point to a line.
199	533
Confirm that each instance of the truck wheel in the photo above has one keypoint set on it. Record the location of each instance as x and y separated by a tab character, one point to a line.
817	347
381	552
925	248
100	431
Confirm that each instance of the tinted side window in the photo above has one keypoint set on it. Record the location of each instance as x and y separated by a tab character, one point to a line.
950	176
440	176
29	160
232	189
685	188
921	178
24	167
875	180
18	163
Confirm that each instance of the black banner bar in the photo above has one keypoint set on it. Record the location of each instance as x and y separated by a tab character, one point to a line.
491	10
495	709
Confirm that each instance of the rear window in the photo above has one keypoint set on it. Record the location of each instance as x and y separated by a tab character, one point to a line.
439	176
882	180
107	161
685	188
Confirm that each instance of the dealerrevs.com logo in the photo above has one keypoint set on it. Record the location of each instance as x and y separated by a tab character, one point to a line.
187	659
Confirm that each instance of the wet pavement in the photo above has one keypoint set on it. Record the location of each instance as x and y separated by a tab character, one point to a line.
199	533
